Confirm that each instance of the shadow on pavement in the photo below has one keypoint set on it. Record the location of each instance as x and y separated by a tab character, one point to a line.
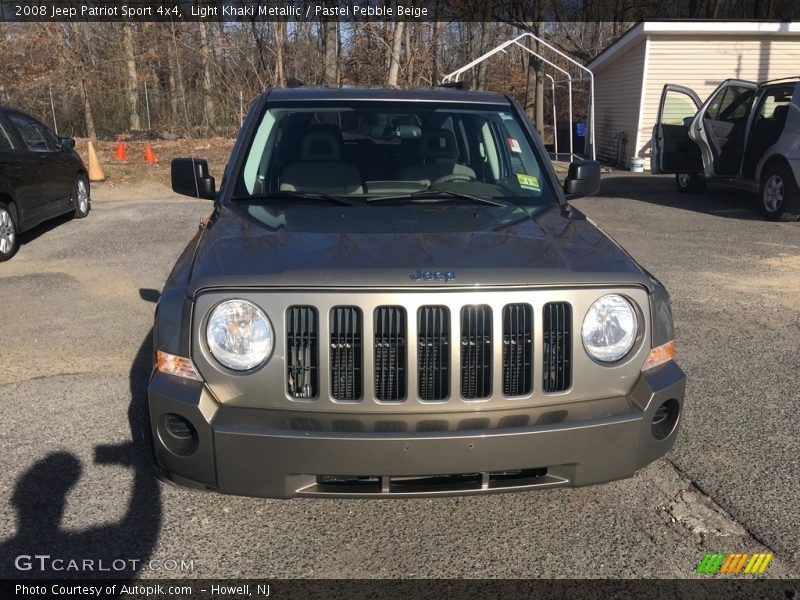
716	200
26	237
40	496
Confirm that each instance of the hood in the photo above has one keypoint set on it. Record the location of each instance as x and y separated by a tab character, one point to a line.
407	246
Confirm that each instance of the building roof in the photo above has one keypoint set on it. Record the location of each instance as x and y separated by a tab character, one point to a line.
644	28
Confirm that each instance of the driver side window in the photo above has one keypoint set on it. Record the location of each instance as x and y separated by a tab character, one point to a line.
32	134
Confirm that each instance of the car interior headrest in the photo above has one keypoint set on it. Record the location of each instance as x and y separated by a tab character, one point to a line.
780	112
322	143
438	143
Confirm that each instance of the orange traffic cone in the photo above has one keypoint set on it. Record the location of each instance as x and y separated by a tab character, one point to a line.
149	155
122	152
95	170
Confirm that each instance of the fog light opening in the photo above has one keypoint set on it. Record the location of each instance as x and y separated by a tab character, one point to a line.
665	419
179	435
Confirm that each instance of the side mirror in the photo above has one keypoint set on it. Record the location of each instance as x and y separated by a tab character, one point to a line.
66	143
583	179
190	177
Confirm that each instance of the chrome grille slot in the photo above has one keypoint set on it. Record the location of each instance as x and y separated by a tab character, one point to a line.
302	356
390	353
557	351
346	353
433	352
476	352
517	349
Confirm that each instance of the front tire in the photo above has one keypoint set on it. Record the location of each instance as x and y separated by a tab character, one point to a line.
780	196
80	197
9	234
689	183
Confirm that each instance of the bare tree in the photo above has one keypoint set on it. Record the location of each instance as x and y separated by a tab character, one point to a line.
394	61
132	81
280	42
331	48
208	100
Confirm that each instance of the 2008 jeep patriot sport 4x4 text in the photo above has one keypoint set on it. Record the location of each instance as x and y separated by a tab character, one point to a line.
392	297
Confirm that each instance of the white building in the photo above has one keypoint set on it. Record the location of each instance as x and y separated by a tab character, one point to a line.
630	74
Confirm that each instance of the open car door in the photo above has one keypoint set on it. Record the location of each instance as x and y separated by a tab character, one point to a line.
673	150
720	127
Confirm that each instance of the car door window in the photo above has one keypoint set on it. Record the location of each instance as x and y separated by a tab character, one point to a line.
678	108
5	139
731	104
33	134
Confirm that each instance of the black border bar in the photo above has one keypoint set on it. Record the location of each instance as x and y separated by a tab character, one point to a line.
511	11
710	588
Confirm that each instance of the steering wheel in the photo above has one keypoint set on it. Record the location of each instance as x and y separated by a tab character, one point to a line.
455	177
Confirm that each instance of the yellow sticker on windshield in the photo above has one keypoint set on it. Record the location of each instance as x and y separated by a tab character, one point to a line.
529	182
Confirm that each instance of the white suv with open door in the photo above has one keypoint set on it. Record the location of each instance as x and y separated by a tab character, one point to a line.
745	134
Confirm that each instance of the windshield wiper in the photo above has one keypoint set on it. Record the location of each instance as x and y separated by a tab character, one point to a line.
291	195
443	195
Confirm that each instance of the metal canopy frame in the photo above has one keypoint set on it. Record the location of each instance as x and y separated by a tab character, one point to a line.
456	76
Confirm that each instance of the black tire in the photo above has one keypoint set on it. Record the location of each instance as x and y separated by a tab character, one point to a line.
780	195
9	233
80	197
690	183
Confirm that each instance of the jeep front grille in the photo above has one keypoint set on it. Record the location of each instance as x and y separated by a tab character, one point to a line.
557	351
433	353
390	353
429	350
346	353
301	351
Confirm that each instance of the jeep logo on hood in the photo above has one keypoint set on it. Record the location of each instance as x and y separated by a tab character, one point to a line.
421	275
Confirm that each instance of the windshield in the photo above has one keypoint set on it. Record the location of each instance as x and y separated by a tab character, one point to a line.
381	153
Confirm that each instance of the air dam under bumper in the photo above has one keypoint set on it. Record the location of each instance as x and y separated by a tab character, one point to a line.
281	454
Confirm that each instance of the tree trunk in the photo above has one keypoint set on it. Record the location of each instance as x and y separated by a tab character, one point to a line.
409	58
530	76
132	80
172	79
331	41
437	28
537	65
280	42
397	43
208	100
87	111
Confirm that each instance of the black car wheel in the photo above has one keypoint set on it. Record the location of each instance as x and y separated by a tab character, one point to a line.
9	239
688	183
80	197
780	196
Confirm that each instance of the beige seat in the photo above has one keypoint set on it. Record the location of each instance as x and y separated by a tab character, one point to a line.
439	153
321	168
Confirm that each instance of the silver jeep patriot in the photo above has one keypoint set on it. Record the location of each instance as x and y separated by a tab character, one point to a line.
392	297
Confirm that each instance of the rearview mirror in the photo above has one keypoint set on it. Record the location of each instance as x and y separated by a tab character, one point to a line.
66	143
190	177
583	179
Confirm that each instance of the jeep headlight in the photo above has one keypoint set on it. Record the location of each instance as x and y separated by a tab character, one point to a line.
609	328
239	335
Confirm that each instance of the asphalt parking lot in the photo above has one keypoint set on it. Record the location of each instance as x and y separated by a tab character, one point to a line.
77	307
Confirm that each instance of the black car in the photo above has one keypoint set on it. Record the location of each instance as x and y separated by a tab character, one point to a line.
41	177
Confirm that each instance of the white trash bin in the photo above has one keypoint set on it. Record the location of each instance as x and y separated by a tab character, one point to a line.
637	164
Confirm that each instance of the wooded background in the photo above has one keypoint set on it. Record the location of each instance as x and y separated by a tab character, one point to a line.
196	78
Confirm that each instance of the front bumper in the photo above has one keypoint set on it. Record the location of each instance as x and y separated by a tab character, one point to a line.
281	454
